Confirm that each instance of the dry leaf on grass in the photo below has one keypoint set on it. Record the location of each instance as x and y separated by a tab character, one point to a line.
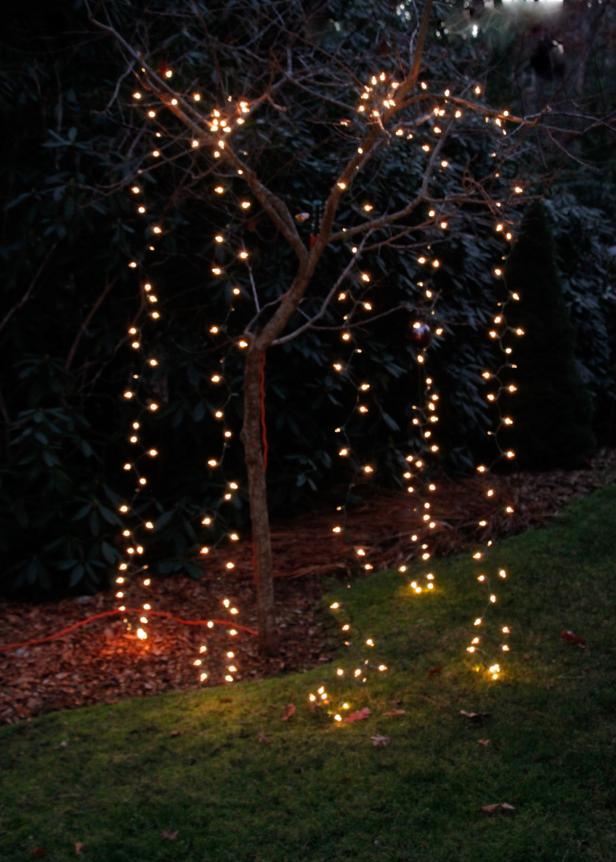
484	742
79	847
380	741
498	808
392	713
476	717
359	715
573	638
169	834
289	711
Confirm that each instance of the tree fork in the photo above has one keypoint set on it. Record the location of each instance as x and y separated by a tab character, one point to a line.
255	456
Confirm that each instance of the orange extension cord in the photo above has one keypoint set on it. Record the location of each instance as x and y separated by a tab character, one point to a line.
74	626
262	410
165	614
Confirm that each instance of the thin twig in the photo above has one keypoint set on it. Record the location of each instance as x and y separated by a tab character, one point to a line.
30	290
86	322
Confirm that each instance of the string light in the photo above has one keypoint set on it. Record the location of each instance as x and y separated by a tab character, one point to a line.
136	549
378	102
500	334
130	566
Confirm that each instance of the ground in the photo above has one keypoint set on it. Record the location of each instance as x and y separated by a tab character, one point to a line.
101	663
230	774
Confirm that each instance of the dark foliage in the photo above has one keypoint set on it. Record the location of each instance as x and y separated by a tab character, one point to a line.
69	228
553	408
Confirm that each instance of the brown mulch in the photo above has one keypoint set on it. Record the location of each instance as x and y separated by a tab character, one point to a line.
102	663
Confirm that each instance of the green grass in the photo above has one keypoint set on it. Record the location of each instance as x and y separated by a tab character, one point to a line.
114	777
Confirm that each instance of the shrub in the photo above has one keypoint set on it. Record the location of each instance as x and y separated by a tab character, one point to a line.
553	409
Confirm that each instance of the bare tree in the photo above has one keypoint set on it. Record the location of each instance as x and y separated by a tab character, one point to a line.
297	83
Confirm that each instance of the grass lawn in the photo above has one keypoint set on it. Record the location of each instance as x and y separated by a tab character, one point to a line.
218	775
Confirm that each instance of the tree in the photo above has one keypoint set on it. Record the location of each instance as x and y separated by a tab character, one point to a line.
281	83
69	228
553	408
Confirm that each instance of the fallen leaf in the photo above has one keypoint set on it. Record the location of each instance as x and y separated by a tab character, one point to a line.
498	808
169	835
79	847
394	712
175	733
483	741
289	711
573	638
38	852
380	741
359	715
476	717
433	671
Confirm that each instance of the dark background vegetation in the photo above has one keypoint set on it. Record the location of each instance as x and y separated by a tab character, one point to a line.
68	231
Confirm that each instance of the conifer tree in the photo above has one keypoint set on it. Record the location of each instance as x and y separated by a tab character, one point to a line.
552	407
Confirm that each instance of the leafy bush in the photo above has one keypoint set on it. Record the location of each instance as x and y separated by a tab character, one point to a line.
553	409
69	230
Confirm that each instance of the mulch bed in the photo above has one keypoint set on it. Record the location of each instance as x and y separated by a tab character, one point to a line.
102	662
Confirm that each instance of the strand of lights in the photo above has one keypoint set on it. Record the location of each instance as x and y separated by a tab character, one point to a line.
500	333
498	382
425	417
377	103
362	279
336	706
424	421
362	283
224	260
137	528
219	273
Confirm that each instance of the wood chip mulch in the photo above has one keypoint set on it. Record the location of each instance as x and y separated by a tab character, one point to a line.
102	662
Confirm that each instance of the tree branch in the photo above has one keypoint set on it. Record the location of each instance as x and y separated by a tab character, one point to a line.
369	143
30	290
291	299
86	322
274	206
326	301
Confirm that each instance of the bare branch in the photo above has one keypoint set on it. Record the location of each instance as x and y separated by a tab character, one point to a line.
30	290
86	322
291	299
373	137
326	301
274	206
128	71
253	287
385	220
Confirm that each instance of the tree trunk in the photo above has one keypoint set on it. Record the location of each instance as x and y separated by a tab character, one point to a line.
257	490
